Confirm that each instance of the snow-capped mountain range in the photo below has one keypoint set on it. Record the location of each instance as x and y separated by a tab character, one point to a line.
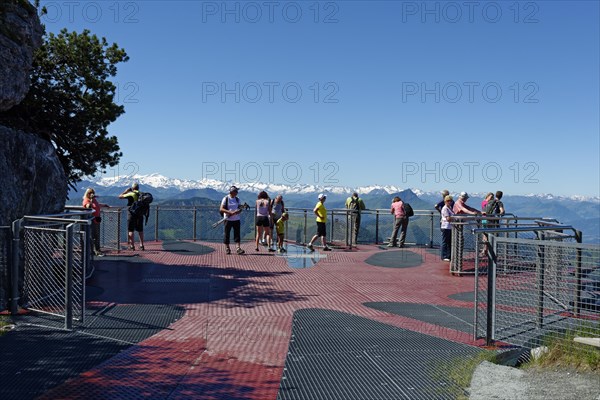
582	212
160	181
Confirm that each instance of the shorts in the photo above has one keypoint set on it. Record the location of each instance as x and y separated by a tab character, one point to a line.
135	223
262	221
321	229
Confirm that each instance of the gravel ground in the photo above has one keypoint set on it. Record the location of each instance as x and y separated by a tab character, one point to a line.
497	382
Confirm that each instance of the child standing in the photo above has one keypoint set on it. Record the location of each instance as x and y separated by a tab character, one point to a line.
280	226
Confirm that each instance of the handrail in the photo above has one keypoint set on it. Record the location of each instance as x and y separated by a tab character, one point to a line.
522	229
68	214
53	219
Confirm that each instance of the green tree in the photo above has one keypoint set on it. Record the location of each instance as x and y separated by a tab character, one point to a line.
71	101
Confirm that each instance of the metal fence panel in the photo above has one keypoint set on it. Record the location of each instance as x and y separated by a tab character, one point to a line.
52	266
45	270
300	226
539	286
110	235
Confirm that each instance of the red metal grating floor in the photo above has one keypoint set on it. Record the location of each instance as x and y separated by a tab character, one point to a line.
234	345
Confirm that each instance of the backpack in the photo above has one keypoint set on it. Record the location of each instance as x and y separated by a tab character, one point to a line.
492	207
273	207
141	207
225	203
408	210
353	205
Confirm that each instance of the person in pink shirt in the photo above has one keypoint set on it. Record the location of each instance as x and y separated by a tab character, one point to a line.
400	222
90	201
488	197
461	207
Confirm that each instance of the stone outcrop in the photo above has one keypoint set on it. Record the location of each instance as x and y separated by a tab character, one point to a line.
32	178
20	34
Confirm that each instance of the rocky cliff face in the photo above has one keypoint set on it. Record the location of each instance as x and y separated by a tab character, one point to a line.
31	176
32	180
20	34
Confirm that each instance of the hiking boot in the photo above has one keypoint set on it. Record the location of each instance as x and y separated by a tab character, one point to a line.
326	248
132	247
142	248
391	244
228	251
240	251
310	247
271	249
283	250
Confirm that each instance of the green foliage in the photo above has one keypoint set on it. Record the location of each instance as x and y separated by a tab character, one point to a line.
459	372
563	351
4	322
71	101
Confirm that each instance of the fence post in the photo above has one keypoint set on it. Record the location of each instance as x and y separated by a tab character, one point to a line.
540	284
578	237
305	227
491	294
332	225
348	223
69	277
194	225
118	231
156	225
377	227
16	263
86	259
350	236
457	248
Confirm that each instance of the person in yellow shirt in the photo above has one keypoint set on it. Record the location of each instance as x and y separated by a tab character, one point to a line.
280	226
321	213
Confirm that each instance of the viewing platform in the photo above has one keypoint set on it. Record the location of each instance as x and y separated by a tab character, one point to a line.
184	320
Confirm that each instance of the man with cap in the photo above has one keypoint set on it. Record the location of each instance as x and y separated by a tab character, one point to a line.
321	213
461	208
230	207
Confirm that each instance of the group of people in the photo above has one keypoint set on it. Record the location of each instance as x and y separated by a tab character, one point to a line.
134	223
448	208
270	217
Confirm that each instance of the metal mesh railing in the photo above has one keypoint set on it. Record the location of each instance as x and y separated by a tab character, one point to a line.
110	232
300	226
537	287
5	249
56	256
469	237
195	223
171	223
45	269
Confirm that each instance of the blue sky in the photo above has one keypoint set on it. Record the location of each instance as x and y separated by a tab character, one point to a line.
475	96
